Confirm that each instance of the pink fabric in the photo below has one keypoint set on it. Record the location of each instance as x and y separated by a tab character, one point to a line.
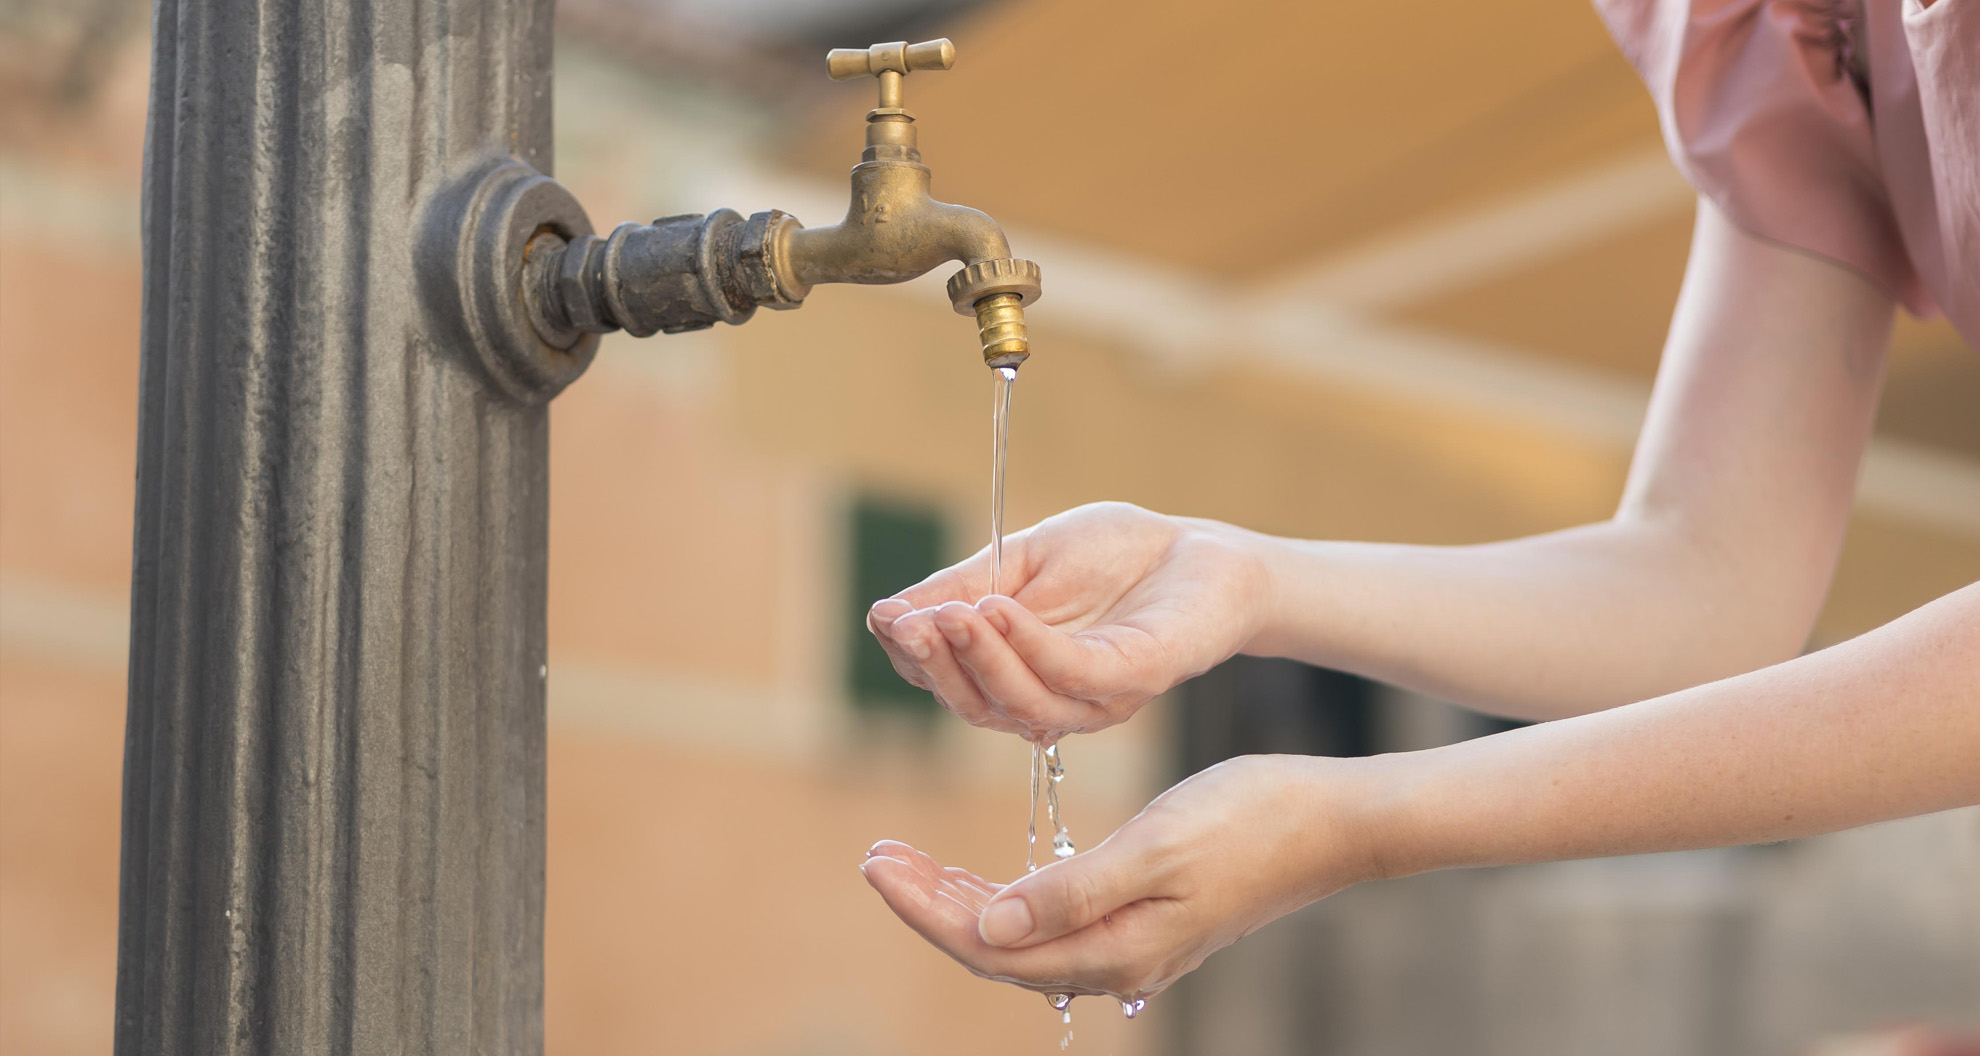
1762	111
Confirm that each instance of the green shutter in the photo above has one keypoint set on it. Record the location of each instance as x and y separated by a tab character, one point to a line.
894	546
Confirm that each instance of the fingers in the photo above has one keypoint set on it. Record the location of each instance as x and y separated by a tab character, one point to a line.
920	655
969	579
880	620
961	884
935	664
884	612
1006	683
965	582
911	884
1091	666
963	654
1090	962
1067	895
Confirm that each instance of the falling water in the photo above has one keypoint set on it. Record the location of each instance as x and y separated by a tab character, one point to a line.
1047	767
1003	381
1031	823
1055	772
1062	1004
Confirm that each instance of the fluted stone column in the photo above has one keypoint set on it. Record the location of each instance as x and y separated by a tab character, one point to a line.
334	761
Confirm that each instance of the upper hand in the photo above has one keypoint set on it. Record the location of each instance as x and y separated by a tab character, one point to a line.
1205	864
1103	607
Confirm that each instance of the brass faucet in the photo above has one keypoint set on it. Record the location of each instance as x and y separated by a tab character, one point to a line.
689	272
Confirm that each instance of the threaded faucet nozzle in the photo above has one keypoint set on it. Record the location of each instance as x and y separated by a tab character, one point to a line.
1000	326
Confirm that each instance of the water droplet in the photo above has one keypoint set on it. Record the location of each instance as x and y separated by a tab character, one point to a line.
1062	846
1059	1002
1128	1009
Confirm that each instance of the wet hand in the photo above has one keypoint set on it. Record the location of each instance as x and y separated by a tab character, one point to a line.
1103	607
1211	860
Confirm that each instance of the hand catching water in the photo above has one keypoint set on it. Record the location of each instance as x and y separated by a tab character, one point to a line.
1107	605
1205	864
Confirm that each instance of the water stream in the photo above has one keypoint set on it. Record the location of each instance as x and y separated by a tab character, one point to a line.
1047	765
1004	379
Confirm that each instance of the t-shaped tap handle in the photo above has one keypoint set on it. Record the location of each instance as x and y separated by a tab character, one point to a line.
889	62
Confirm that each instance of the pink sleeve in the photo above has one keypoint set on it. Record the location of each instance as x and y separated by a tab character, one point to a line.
1760	112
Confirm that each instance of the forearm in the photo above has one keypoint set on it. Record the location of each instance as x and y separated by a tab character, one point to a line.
1721	550
1883	726
1542	627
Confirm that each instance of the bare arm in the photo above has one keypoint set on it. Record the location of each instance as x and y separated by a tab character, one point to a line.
1882	726
1715	563
1717	560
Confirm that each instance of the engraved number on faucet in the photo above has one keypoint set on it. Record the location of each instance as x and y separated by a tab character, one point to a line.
876	212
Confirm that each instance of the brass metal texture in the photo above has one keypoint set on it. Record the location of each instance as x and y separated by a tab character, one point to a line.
897	56
985	277
1000	327
894	229
688	272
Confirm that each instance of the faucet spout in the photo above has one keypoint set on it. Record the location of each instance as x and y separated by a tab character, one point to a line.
893	231
689	272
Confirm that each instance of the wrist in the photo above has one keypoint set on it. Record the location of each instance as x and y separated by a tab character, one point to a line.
1381	803
1341	815
1247	561
1288	623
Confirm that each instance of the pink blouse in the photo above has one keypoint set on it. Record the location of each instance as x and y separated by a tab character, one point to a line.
1846	128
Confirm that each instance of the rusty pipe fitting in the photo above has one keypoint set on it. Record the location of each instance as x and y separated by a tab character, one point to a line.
676	274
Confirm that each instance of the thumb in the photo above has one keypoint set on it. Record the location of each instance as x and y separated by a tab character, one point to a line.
1064	897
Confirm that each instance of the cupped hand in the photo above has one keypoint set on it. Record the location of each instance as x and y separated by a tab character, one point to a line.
1205	864
1101	608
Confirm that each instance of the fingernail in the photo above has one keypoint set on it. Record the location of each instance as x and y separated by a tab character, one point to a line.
1005	922
955	629
916	645
995	616
887	610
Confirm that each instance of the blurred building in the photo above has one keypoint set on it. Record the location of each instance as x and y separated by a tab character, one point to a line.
1377	271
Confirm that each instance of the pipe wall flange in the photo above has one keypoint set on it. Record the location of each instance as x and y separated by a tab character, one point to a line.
478	236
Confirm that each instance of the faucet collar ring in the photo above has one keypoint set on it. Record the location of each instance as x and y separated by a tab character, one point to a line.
985	278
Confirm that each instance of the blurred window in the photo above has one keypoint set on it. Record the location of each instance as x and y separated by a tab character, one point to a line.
894	546
1250	705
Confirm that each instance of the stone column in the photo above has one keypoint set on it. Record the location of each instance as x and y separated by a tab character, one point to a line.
334	760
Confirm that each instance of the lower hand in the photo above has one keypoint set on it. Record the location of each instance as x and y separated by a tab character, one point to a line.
1205	864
